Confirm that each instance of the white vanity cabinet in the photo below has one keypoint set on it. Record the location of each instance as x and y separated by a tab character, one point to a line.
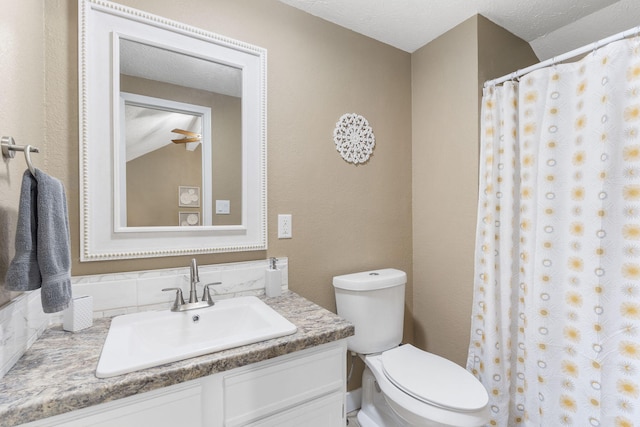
306	387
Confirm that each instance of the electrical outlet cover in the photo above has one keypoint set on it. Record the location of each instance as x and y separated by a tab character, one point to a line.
284	226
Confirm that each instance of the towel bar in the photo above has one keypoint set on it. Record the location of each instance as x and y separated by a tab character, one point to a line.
9	148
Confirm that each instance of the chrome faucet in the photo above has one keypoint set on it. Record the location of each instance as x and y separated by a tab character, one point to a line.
194	279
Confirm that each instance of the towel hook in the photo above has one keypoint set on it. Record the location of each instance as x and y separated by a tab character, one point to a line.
9	148
27	157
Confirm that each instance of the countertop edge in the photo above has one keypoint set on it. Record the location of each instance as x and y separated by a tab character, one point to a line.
31	391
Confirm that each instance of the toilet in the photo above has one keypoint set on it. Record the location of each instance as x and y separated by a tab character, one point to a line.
401	384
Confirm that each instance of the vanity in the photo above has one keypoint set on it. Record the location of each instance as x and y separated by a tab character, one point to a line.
294	380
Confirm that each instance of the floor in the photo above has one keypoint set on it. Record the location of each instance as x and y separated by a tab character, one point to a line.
351	419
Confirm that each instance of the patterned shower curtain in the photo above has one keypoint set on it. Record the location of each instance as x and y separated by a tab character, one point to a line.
555	335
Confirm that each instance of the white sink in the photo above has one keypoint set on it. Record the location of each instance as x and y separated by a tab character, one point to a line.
143	340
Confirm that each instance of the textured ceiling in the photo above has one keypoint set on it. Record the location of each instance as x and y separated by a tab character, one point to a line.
552	27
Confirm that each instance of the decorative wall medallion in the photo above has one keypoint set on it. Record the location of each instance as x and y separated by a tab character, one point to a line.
354	138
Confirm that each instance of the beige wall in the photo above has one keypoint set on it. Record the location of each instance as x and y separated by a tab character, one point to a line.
500	52
447	76
345	218
22	113
153	181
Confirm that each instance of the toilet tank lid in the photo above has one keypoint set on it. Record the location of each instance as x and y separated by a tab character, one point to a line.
371	280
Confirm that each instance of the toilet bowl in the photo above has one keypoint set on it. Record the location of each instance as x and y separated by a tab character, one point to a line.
427	390
402	385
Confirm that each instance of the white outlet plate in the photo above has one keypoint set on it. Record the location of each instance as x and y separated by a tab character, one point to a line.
285	226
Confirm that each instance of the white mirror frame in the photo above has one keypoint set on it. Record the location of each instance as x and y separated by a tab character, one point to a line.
102	24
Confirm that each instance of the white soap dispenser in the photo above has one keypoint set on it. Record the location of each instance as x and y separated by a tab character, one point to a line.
273	279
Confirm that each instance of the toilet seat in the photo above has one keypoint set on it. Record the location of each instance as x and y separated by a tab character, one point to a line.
433	379
418	406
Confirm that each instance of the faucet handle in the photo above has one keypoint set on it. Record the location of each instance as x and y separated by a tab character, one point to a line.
179	300
206	295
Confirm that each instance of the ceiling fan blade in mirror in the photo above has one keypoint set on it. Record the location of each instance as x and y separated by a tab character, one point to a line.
185	140
187	133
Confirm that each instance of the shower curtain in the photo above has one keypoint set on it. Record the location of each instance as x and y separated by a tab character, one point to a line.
555	334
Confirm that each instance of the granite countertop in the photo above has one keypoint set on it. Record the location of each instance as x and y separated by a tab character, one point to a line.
57	374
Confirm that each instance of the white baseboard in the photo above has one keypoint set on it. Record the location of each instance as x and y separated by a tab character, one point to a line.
354	400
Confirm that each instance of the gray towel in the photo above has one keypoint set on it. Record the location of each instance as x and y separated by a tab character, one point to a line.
23	273
43	257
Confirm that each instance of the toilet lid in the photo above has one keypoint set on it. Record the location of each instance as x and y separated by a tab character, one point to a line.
433	379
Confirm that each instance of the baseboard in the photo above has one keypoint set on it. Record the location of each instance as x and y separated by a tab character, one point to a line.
354	400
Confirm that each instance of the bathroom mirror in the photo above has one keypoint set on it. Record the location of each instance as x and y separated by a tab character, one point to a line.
172	137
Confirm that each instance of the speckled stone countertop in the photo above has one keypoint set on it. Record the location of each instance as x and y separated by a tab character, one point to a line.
57	374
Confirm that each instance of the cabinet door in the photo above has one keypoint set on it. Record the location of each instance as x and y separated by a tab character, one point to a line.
173	406
258	393
326	411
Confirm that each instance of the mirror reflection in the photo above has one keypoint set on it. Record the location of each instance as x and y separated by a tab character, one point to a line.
182	137
153	182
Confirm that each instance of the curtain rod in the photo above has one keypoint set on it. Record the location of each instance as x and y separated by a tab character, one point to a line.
579	51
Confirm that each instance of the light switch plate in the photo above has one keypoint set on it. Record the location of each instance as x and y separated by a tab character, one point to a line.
223	207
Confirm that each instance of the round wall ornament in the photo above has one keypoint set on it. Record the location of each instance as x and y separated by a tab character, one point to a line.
354	138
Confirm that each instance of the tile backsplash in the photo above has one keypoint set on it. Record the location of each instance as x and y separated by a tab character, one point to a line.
22	320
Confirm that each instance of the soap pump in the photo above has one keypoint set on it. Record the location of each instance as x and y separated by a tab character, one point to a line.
273	279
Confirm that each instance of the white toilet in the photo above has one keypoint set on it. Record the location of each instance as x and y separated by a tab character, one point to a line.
402	385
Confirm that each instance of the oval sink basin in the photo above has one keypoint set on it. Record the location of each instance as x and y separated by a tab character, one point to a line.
143	340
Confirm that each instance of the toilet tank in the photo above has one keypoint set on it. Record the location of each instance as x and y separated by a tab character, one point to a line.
374	302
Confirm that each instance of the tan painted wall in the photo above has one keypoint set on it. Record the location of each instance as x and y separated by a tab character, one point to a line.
22	113
447	76
500	52
346	218
153	181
